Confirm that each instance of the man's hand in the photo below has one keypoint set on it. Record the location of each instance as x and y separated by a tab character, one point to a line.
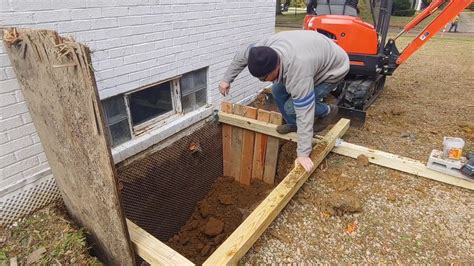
306	162
224	87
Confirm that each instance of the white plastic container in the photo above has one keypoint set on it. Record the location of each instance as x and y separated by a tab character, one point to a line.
452	148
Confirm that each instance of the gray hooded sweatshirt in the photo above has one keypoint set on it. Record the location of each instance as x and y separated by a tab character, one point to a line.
307	59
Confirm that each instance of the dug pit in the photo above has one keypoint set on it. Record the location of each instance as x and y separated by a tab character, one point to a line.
216	216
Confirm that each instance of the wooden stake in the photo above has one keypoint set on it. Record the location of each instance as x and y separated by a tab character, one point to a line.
248	140
260	147
227	107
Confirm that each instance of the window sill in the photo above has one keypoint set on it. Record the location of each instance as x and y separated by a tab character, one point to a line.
154	136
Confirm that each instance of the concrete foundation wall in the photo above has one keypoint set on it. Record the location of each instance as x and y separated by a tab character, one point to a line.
134	43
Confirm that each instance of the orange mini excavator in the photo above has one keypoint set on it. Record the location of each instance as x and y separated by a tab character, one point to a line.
372	56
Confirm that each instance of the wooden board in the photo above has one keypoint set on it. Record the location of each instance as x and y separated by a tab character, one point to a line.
248	140
393	161
241	240
237	134
271	155
226	141
59	88
400	163
153	250
255	125
260	147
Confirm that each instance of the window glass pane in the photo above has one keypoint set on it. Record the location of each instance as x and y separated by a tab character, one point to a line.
119	132
200	79
150	103
201	98
193	81
186	83
114	109
188	103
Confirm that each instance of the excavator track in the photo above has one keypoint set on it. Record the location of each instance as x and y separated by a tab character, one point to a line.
361	93
354	96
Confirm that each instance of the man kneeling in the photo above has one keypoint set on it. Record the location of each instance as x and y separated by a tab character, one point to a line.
304	66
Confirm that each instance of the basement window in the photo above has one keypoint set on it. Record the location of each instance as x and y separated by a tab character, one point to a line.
194	90
150	103
133	113
116	120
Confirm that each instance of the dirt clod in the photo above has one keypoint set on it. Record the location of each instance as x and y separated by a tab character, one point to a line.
396	111
362	160
391	197
205	209
205	250
214	227
340	203
226	199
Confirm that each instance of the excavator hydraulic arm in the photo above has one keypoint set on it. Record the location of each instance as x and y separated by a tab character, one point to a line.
450	11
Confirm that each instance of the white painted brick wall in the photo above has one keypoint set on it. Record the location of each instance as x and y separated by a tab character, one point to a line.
134	43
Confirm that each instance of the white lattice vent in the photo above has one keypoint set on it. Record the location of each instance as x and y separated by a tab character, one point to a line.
27	199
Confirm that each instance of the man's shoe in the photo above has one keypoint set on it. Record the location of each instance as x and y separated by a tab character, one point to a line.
286	128
323	122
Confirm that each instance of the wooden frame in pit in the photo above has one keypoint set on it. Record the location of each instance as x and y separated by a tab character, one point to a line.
242	239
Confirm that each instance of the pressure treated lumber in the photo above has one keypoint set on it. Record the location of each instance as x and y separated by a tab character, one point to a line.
240	241
381	158
65	109
255	125
400	163
258	126
153	250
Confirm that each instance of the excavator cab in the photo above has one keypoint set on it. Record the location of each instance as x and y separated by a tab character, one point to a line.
372	55
363	41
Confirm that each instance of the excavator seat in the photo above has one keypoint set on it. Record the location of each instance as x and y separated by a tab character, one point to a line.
336	7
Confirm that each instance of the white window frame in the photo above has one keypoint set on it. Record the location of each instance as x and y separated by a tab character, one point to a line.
162	119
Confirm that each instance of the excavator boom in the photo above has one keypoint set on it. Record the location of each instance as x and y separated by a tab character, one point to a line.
450	11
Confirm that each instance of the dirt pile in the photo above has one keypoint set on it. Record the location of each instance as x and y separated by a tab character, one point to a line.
343	200
340	203
215	217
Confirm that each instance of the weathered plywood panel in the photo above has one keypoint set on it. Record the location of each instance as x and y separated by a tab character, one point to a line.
60	90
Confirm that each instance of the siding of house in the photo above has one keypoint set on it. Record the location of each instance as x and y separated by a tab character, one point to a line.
134	43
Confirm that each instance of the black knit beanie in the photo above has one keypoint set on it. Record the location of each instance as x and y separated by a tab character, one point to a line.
262	61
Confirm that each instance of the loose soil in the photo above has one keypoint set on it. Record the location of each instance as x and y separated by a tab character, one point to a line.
216	216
